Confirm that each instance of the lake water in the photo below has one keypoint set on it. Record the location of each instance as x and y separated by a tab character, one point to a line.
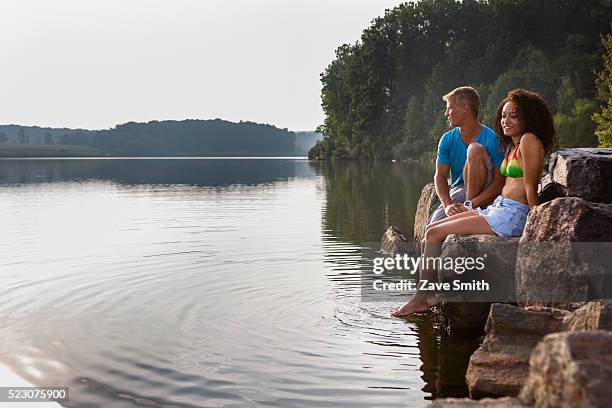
212	282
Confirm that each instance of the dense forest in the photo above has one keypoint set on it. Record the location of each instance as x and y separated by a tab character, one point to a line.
382	95
195	138
168	138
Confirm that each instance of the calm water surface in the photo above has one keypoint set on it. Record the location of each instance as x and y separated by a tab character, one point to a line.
203	283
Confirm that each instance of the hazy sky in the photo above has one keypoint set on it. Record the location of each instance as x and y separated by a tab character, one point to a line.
94	64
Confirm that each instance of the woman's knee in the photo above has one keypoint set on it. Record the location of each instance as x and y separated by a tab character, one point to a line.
432	234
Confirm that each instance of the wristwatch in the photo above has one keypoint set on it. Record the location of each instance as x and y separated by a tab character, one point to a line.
468	204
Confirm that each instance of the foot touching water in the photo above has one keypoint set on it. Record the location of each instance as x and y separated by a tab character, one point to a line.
416	305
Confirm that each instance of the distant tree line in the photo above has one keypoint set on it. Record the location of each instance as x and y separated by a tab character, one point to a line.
42	135
172	138
194	138
382	95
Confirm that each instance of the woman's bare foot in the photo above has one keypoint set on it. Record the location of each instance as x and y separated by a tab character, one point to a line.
432	300
415	305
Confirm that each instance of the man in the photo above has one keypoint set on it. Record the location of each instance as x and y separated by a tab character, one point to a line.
471	153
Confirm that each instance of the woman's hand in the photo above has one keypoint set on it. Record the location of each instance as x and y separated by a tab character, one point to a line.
454	208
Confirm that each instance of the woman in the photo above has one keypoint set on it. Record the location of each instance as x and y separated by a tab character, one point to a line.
524	124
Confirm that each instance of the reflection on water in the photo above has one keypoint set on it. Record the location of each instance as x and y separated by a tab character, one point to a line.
211	172
211	282
363	198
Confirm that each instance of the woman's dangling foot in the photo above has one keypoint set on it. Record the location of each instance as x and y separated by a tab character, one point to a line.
432	300
416	305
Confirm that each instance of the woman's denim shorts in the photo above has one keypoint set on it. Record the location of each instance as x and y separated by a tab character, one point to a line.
506	217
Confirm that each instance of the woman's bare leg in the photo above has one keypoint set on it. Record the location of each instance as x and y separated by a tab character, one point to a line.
434	237
452	218
464	225
432	299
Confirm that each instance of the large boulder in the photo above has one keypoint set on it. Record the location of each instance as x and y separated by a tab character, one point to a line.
498	367
570	369
584	173
428	202
468	309
483	403
569	219
565	253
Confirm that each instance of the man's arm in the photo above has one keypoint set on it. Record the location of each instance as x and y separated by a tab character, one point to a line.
489	193
441	177
443	190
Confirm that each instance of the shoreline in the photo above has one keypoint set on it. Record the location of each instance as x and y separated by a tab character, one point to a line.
159	158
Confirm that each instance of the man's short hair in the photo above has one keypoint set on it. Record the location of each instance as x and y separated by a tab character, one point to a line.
464	95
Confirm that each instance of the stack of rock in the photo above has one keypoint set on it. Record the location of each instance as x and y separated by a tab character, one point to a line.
541	357
555	348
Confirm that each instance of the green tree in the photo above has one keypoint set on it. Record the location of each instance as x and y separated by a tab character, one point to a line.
603	83
577	129
415	137
421	50
3	137
530	70
566	96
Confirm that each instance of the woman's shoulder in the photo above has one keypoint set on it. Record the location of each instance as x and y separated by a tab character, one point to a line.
530	140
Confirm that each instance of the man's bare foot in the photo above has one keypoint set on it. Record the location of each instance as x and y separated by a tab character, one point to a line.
415	305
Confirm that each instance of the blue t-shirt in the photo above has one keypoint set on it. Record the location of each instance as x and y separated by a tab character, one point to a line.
452	151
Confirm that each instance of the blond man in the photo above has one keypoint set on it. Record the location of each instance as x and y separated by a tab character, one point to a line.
470	154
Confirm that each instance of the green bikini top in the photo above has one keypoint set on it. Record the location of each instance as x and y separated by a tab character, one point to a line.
511	168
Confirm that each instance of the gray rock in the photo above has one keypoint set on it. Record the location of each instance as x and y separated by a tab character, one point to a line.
565	253
483	403
570	369
393	242
547	190
498	367
428	202
468	310
592	316
584	173
569	219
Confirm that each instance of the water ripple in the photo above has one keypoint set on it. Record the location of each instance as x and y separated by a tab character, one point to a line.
191	295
